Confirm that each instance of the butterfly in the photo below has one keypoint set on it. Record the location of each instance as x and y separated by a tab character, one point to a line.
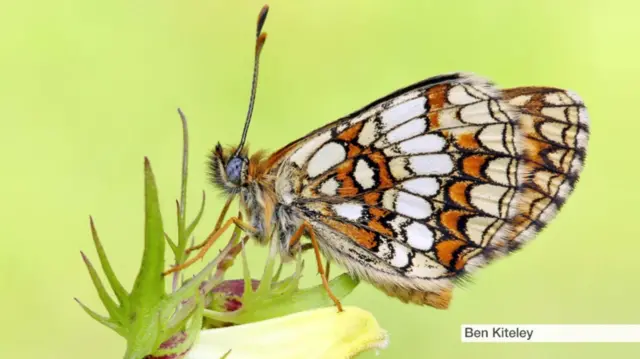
419	188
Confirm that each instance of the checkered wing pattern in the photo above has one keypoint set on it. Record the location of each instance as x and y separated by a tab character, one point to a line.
437	179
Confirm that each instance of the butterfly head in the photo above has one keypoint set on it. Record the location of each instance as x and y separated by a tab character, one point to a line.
237	169
231	167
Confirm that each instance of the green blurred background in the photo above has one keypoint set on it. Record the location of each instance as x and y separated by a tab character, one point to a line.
89	88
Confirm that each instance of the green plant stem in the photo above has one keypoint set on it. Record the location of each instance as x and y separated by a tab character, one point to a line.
182	205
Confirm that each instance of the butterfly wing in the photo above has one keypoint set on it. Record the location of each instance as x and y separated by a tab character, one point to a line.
555	128
436	179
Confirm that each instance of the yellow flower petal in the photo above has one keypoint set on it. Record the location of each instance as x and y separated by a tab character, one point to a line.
315	334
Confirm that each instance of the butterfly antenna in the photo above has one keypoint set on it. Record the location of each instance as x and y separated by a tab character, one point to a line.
261	37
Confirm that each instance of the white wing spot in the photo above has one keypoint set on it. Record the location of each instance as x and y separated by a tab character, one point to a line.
330	187
419	236
328	156
448	118
424	186
364	175
350	211
400	255
368	133
438	164
389	199
423	144
302	154
412	206
407	130
397	167
403	112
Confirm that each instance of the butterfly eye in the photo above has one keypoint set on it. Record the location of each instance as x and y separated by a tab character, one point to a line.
235	170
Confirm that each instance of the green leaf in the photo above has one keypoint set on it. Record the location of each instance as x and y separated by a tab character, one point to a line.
267	276
248	285
185	164
196	220
148	288
276	277
109	304
118	289
182	237
103	320
148	294
171	244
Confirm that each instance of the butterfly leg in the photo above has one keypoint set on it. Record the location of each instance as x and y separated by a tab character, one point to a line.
307	228
210	241
218	225
327	268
